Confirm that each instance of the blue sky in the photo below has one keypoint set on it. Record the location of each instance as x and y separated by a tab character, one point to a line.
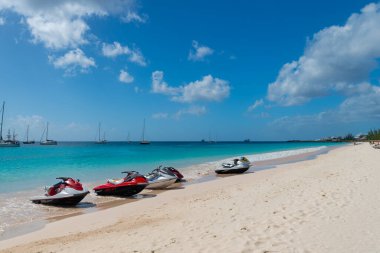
264	70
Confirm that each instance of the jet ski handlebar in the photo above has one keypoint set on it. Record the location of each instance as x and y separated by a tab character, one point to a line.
130	172
63	178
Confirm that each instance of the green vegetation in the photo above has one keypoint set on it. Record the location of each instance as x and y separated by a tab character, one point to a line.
373	135
349	137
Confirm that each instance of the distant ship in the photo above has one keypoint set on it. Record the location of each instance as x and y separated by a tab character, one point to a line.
47	141
9	142
101	141
247	140
27	137
143	141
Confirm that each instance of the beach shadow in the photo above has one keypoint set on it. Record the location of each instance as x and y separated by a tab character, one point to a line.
233	174
83	205
142	196
158	191
134	197
180	187
121	200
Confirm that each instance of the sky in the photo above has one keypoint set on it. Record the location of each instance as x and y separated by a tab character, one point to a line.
225	70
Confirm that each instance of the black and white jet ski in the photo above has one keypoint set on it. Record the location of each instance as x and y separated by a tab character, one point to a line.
240	165
66	192
160	178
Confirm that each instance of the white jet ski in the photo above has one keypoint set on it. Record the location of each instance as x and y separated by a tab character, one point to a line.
160	179
237	166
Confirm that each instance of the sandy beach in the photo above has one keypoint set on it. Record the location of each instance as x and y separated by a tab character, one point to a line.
328	204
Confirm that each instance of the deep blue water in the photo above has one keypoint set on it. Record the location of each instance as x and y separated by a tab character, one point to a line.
31	166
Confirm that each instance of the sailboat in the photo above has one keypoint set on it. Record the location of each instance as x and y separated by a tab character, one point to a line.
47	141
143	141
9	142
101	141
128	138
27	137
209	138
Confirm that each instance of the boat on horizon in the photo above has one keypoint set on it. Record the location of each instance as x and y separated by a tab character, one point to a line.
247	141
47	141
101	141
27	137
143	141
10	142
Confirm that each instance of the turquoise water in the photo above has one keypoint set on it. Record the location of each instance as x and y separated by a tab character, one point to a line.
32	166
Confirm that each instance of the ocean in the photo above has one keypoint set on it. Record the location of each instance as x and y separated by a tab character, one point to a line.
24	171
33	166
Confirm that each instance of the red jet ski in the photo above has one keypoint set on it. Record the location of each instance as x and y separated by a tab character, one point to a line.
66	192
130	185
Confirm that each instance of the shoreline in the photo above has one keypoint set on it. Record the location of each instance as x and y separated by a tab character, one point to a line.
293	208
195	176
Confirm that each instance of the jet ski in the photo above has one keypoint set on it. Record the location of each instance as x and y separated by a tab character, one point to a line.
240	165
66	192
131	184
172	171
160	178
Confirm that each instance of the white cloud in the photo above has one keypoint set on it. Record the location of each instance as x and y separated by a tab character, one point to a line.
199	52
192	110
160	86
257	103
62	24
134	17
160	115
207	89
125	77
336	59
54	34
362	108
33	120
2	21
73	60
116	49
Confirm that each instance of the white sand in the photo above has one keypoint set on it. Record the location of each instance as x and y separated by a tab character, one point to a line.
330	204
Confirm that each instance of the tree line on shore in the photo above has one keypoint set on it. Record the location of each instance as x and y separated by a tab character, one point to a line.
370	136
373	134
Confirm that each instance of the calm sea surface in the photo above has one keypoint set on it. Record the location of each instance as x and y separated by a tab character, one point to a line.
32	166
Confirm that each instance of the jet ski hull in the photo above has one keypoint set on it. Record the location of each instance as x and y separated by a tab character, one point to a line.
161	184
128	190
71	200
231	171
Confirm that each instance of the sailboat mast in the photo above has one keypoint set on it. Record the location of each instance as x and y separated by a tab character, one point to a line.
99	132
143	135
1	125
47	131
27	134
